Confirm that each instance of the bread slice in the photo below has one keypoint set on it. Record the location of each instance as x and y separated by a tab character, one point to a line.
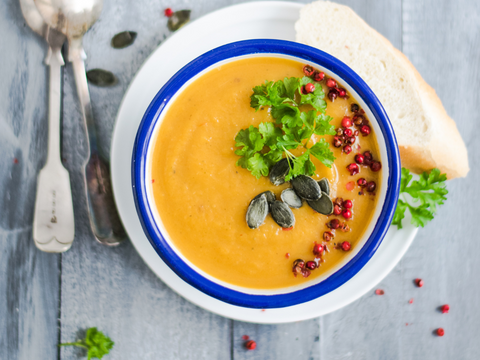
426	135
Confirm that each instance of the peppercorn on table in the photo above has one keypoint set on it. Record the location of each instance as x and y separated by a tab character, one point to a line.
47	299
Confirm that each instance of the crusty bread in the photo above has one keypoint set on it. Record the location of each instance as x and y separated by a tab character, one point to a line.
426	135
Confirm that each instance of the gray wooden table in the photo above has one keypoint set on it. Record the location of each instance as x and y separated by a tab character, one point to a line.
46	299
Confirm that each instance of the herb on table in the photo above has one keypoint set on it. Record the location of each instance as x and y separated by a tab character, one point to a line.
260	148
96	343
429	191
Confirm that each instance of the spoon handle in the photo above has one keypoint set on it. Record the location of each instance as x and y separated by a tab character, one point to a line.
104	218
53	220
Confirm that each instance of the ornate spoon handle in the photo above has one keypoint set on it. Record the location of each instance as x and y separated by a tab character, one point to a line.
104	218
53	221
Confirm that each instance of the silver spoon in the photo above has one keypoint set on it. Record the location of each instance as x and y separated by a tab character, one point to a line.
53	221
73	18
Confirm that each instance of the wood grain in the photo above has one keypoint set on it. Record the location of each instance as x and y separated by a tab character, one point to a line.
29	284
113	289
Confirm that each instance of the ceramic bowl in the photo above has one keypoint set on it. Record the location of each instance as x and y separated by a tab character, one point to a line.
386	198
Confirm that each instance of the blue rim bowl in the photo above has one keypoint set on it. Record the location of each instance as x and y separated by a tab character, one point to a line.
217	289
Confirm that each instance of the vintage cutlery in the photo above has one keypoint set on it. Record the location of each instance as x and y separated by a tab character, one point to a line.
73	18
53	222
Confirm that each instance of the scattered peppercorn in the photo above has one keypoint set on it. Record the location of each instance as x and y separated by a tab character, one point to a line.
308	70
365	130
375	166
371	186
334	224
309	88
245	337
331	83
327	236
410	301
359	159
347	214
250	345
318	76
419	282
440	332
337	210
346	122
379	292
353	169
346	246
332	95
318	248
445	308
168	12
347	149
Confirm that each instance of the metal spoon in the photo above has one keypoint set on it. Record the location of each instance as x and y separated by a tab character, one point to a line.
53	221
73	18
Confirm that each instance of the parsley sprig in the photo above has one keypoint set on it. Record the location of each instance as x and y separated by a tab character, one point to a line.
429	191
260	148
96	343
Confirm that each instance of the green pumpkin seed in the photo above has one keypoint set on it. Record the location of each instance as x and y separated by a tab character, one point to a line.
123	39
324	185
257	211
306	187
290	197
324	205
178	19
282	214
101	77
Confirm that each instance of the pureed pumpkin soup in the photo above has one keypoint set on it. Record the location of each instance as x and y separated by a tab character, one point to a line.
218	154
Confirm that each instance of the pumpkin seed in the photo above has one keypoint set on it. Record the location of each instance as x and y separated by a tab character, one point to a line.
123	39
101	77
324	205
178	19
290	197
257	211
279	171
324	185
270	196
306	187
282	214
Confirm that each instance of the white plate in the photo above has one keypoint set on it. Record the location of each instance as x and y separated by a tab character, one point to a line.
273	20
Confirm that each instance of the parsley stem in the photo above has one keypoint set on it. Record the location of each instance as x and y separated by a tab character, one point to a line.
79	344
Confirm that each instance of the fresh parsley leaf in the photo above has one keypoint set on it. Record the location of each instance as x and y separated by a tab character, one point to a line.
291	86
292	128
429	191
321	150
302	165
323	126
270	134
96	343
249	141
288	142
258	166
285	113
420	215
399	213
315	99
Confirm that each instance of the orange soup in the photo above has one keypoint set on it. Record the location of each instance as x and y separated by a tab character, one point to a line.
202	196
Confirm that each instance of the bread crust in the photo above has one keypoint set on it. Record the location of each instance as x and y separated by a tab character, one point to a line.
443	147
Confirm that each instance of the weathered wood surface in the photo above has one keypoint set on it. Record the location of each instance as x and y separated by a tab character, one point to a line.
113	289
